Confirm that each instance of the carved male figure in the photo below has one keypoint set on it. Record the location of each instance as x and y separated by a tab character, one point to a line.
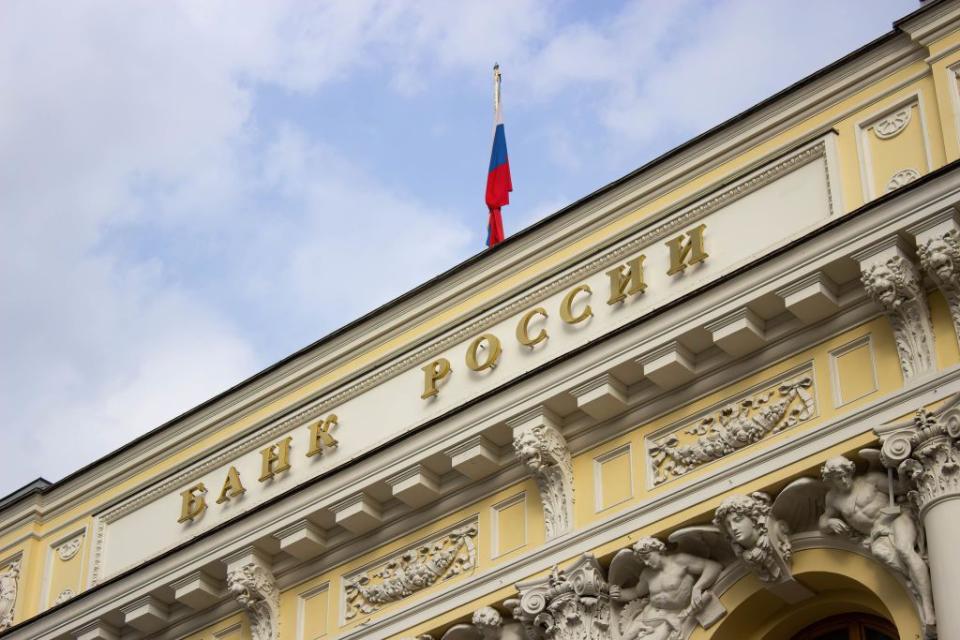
669	589
860	505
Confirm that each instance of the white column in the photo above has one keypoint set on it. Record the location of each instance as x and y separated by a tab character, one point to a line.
927	454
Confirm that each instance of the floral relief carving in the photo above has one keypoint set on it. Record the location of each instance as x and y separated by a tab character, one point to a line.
895	286
64	595
255	588
901	178
69	548
417	568
543	450
736	425
9	585
894	123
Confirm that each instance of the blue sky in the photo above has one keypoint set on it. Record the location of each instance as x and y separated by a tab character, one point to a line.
189	191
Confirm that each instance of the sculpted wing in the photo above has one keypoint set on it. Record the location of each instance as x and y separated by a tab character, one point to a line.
704	541
625	569
800	504
462	632
872	456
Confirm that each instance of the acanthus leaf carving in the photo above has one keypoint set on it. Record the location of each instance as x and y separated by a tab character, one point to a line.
736	425
543	450
255	588
9	585
895	285
402	575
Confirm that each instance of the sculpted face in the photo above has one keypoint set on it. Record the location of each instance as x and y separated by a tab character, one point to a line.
653	559
742	530
940	262
884	287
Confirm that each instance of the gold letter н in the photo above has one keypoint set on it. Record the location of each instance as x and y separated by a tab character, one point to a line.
276	459
683	255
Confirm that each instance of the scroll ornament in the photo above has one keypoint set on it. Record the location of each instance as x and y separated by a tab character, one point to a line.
896	287
940	258
543	450
9	584
255	588
735	426
412	571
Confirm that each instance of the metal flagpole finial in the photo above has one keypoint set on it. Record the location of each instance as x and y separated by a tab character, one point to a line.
496	86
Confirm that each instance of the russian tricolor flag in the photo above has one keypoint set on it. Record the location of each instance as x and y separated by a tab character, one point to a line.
499	185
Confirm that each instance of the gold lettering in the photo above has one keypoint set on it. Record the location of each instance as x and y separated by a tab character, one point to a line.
492	355
232	487
194	503
523	328
432	374
320	437
684	255
629	283
566	305
275	459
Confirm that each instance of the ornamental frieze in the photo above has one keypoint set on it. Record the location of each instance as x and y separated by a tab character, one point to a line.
776	406
439	558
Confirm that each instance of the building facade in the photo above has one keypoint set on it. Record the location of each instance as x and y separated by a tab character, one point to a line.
717	399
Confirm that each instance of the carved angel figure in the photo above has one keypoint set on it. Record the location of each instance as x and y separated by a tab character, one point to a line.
486	624
8	593
859	506
667	588
758	527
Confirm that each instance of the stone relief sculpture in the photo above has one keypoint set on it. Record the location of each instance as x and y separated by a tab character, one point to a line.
895	286
69	548
400	576
487	624
940	258
255	588
663	592
902	178
735	426
9	583
872	510
543	450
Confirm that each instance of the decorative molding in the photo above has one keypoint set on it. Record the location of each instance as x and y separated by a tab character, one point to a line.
439	558
9	588
893	282
901	178
543	450
320	407
255	588
893	124
69	548
64	595
777	405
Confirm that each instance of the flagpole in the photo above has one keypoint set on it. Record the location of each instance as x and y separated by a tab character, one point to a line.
496	91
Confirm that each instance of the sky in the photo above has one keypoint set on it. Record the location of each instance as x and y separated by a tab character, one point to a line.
192	190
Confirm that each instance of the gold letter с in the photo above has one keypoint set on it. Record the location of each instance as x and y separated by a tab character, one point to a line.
566	306
432	374
193	502
523	328
683	255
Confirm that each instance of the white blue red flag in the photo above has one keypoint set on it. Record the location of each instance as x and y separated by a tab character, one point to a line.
499	184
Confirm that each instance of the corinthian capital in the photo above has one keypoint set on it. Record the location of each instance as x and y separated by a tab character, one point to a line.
893	282
927	454
251	582
543	450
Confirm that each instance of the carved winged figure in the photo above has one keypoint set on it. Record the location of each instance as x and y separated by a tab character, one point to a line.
487	624
662	590
872	509
758	527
